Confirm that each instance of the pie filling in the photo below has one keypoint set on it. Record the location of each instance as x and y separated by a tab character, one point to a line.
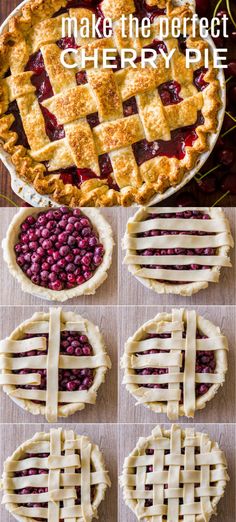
143	150
205	363
73	344
187	214
58	249
41	471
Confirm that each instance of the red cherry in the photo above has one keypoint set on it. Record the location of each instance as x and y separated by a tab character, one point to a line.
202	7
208	184
226	156
186	200
220	142
232	68
233	36
219	42
229	183
222	13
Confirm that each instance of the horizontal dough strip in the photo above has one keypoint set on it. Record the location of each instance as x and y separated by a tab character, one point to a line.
178	241
132	259
204	459
83	396
177	493
24	345
38	327
55	496
67	362
66	480
20	380
204	225
170	378
186	477
155	360
164	395
64	513
60	462
209	344
188	276
167	327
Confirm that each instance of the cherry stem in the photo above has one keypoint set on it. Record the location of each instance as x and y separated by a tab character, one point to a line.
228	80
228	131
230	13
208	172
220	199
231	116
9	200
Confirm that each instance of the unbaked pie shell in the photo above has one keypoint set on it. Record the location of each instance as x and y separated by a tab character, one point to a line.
89	287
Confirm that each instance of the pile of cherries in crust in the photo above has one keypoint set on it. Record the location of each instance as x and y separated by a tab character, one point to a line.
216	183
143	150
205	363
74	344
187	214
33	491
58	249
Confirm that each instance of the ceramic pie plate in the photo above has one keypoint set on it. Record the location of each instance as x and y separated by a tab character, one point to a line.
33	198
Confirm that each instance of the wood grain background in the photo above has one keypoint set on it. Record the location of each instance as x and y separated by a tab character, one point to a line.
222	408
224	434
11	293
105	435
105	409
133	292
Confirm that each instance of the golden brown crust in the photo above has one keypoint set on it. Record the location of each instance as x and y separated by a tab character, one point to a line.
137	183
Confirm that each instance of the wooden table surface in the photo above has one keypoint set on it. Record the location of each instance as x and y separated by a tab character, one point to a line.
191	188
224	434
104	435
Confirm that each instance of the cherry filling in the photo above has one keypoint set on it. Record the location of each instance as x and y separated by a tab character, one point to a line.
44	471
199	81
188	214
169	93
175	148
58	249
71	344
17	125
205	363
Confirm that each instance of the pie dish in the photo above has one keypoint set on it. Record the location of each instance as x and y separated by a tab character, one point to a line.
175	251
53	364
58	254
175	363
102	137
174	475
56	476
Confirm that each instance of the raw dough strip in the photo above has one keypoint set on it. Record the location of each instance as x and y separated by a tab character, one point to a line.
178	260
179	275
178	241
204	225
85	455
83	396
24	345
38	327
174	324
182	476
69	503
53	365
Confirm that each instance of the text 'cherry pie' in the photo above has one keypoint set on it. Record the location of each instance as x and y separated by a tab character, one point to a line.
103	136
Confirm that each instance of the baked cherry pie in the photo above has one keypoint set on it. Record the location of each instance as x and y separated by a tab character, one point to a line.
53	364
59	253
174	475
56	477
175	363
177	251
102	136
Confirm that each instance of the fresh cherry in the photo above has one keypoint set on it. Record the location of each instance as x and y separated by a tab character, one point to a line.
202	7
186	200
226	156
208	184
232	68
229	183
